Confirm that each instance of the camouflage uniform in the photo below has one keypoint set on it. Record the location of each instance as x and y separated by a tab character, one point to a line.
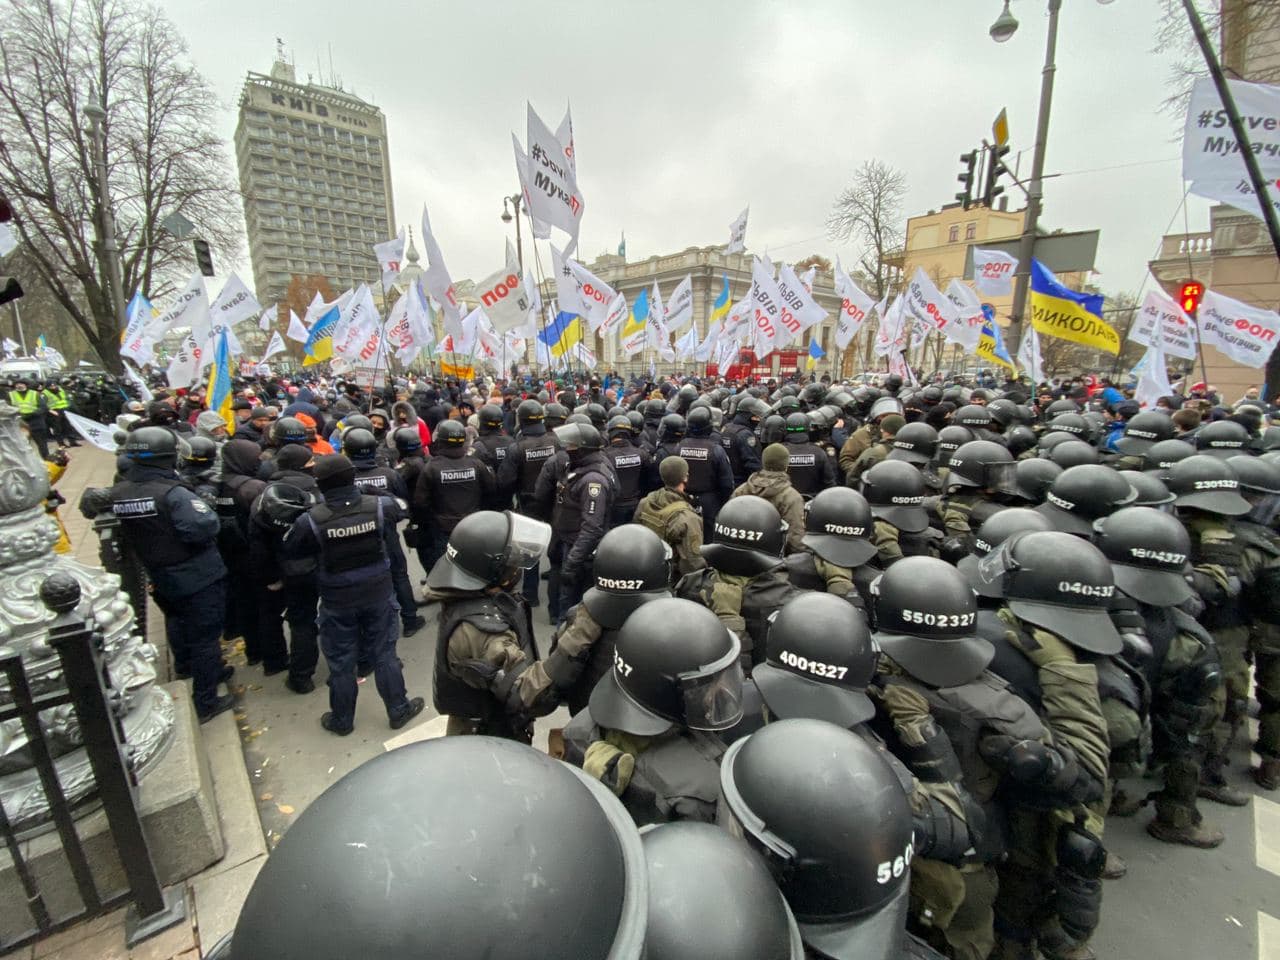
670	515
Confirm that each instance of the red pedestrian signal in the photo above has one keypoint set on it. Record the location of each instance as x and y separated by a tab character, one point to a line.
1192	291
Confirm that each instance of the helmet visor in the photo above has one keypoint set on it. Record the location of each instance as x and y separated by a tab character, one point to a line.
1002	478
713	696
527	542
733	814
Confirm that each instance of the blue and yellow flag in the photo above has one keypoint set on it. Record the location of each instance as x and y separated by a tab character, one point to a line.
639	315
816	353
319	345
1057	311
562	334
991	342
720	309
219	389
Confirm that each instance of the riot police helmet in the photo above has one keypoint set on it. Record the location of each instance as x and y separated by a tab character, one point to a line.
1143	431
1081	495
950	439
637	420
915	443
1034	477
356	421
884	406
1159	457
983	465
711	896
288	430
579	436
686	395
819	660
895	492
1222	439
1061	406
1020	439
1206	483
314	897
925	613
407	440
797	426
281	503
747	537
1150	490
620	426
1052	438
632	566
994	531
832	821
973	416
1073	453
1256	476
662	677
752	408
698	423
156	445
1059	582
1148	550
773	429
837	525
199	450
360	444
1072	423
672	427
554	415
449	433
599	416
787	405
1271	439
812	394
654	410
529	412
488	549
1003	411
489	418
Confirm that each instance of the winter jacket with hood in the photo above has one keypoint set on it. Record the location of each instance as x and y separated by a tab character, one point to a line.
411	419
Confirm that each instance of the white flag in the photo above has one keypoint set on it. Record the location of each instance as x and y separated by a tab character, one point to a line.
421	322
233	305
189	309
892	333
8	239
687	345
738	234
275	346
11	347
580	291
503	295
550	184
99	434
680	304
1238	193
297	331
144	392
993	272
726	356
766	308
925	302
357	324
1161	319
564	134
390	254
1154	382
268	318
657	334
1029	357
970	318
617	313
1244	333
739	321
708	346
437	279
854	307
809	277
136	344
184	365
1209	150
799	310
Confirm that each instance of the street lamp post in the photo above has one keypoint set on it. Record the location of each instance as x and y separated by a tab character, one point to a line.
507	203
96	115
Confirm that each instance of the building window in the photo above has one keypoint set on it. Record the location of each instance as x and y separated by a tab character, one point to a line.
970	231
953	235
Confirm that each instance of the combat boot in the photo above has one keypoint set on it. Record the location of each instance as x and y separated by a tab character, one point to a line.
1198	834
1124	804
1217	789
1268	774
1115	867
1065	949
1009	949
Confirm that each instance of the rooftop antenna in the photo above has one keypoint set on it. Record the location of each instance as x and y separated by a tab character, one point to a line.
280	49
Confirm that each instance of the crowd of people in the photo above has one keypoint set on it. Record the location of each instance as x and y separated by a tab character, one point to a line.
911	645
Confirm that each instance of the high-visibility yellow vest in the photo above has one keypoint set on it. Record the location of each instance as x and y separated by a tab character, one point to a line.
26	403
58	399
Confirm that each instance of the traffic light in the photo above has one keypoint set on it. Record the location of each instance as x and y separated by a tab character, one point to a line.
204	257
968	161
995	170
1192	291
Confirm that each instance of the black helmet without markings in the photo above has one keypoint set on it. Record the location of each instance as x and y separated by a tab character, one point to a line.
152	445
1073	453
698	422
1150	490
281	503
199	450
950	439
579	436
407	440
1255	475
1034	477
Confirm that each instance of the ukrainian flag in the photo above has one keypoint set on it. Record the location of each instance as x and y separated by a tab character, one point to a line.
1057	311
639	316
219	389
319	345
816	353
991	343
720	309
42	343
562	334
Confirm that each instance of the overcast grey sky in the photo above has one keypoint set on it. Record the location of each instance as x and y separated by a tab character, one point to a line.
685	111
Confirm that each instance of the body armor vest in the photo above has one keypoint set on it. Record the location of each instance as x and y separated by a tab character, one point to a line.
350	537
496	613
144	522
697	452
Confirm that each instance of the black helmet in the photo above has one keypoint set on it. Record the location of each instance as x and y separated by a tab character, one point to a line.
1052	438
691	676
925	614
1072	423
1034	477
711	896
489	418
1159	457
895	491
281	503
837	525
1150	490
360	444
637	420
555	414
915	443
1255	475
288	430
819	661
1083	494
449	433
529	411
199	450
973	417
773	429
797	426
1206	483
632	566
599	416
1073	453
488	548
654	410
620	426
1148	550
950	439
1003	411
1271	439
672	427
994	531
884	406
617	411
1222	439
448	837
983	464
1059	582
407	440
747	537
152	445
753	408
698	422
1020	439
356	421
686	395
787	404
1058	407
831	819
579	436
1143	431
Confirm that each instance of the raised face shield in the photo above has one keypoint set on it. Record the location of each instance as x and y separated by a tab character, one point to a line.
527	542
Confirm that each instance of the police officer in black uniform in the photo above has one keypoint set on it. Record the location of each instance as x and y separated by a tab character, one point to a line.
583	504
175	534
811	469
631	465
739	438
710	481
493	446
453	484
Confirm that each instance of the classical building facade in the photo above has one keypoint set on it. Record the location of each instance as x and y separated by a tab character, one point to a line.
316	180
